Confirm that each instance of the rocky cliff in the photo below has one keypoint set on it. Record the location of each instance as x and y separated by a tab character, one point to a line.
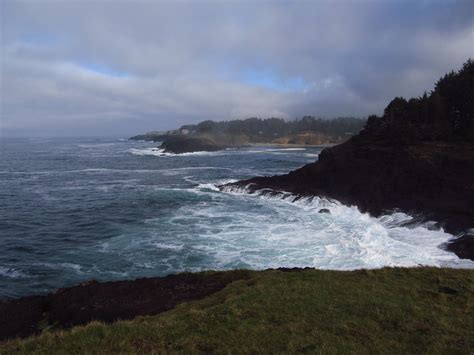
418	157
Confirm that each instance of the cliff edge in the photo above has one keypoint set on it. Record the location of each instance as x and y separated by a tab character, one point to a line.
418	157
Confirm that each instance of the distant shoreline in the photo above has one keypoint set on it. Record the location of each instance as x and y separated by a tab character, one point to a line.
325	145
188	144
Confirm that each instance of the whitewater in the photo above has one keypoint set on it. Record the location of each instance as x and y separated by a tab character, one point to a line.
78	209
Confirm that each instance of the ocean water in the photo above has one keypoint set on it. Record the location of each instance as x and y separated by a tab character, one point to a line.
106	208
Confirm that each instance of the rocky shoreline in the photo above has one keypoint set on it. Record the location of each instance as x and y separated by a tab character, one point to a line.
107	301
433	181
418	157
112	301
184	144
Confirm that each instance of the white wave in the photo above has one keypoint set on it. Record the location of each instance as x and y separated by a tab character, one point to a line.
214	186
187	168
76	267
202	153
87	170
211	187
147	151
174	247
190	179
294	233
263	151
161	153
12	273
284	149
145	265
95	145
104	247
157	152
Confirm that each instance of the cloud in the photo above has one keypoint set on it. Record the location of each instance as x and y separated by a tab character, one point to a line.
101	67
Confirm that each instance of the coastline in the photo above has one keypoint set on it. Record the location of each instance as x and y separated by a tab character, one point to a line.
379	176
281	145
363	310
107	301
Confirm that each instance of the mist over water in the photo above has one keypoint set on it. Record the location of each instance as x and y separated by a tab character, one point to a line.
107	209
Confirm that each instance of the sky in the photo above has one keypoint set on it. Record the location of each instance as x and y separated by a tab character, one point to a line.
90	67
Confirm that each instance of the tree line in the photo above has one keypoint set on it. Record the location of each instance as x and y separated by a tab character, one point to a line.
271	128
447	113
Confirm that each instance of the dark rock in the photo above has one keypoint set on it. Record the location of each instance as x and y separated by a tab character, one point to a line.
20	318
184	144
324	210
106	302
430	179
433	226
463	246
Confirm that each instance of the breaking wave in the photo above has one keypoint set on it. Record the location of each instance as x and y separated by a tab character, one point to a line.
347	239
86	209
157	152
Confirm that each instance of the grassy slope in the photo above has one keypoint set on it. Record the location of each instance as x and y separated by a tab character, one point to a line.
389	310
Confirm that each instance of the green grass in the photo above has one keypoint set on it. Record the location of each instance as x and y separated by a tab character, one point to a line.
421	310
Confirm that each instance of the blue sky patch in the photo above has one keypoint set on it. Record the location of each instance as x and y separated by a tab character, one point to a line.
103	70
270	80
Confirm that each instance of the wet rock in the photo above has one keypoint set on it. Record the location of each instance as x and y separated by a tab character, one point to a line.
324	210
463	246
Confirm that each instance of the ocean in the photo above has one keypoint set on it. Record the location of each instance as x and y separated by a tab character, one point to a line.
76	209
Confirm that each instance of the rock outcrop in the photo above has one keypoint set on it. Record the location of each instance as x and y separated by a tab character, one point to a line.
435	178
107	301
418	157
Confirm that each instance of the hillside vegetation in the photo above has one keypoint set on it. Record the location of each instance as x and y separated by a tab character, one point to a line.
307	130
446	114
420	310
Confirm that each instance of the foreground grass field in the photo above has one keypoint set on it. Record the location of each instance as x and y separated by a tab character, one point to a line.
420	310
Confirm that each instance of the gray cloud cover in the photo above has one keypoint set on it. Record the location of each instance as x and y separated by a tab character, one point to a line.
123	67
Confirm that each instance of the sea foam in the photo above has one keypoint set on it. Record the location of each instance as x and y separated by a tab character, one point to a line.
294	233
